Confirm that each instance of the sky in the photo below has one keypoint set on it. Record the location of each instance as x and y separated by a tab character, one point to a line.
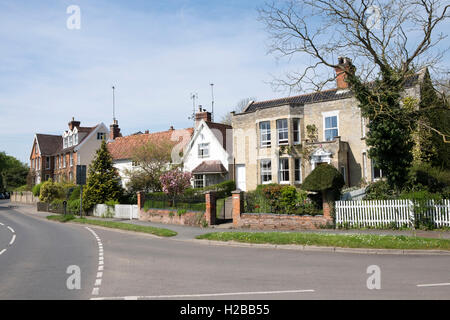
156	53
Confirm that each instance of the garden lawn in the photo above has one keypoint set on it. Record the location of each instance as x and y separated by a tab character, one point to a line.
332	240
115	225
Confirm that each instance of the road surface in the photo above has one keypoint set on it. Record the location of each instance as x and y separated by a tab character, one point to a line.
123	265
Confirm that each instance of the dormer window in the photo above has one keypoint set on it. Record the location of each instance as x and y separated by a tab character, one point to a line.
70	141
75	139
101	136
65	143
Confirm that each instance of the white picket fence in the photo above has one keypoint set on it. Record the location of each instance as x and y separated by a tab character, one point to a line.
377	213
120	211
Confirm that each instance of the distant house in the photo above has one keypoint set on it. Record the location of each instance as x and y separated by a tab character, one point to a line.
56	156
207	157
122	149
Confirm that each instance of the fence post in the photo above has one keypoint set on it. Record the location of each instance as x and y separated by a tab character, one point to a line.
237	207
140	199
210	214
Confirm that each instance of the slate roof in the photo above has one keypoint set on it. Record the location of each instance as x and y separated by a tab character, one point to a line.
320	96
123	148
222	128
212	166
49	144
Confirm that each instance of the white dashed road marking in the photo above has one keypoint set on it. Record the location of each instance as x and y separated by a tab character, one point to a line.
434	285
12	239
205	295
98	280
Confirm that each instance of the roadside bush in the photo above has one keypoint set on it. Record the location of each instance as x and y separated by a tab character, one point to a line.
73	206
380	190
324	178
37	190
50	191
75	193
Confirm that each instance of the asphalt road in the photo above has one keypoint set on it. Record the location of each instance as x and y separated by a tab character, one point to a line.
140	266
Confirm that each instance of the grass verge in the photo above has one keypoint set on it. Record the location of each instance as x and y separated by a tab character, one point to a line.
115	225
332	240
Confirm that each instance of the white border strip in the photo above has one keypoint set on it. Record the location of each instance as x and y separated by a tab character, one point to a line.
434	285
206	295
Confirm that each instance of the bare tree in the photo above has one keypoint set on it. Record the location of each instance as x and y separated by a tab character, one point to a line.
238	108
379	36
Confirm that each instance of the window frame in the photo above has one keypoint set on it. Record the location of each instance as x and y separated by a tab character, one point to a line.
265	132
201	150
282	170
325	116
282	131
48	163
298	170
265	167
101	136
296	130
197	179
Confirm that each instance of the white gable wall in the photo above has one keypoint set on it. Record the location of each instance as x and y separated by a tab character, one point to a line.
216	151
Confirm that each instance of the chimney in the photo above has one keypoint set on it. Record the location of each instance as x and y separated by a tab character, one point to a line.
344	66
147	131
202	114
74	124
114	131
171	128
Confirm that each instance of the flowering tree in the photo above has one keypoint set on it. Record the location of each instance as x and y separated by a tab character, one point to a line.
174	182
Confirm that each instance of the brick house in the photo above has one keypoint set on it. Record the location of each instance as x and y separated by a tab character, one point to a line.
56	156
209	153
270	138
122	149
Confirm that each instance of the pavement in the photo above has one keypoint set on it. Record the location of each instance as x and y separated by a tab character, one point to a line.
140	266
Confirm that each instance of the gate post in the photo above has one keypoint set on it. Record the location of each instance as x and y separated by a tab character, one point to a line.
210	214
237	207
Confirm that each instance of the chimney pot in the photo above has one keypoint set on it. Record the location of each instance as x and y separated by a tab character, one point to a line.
344	66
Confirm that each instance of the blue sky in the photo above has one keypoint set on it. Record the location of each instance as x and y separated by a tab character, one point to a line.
155	52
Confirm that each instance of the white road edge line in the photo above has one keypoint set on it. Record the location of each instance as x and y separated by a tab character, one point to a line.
12	230
3	251
98	281
13	239
434	285
206	295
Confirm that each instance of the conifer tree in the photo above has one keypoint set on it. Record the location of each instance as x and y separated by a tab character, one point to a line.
103	181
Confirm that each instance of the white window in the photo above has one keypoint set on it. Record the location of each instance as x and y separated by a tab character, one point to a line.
65	142
298	170
296	131
64	160
364	156
75	139
101	136
47	163
203	150
266	171
376	172
39	163
70	141
199	181
264	131
283	170
282	131
70	176
330	125
363	127
71	159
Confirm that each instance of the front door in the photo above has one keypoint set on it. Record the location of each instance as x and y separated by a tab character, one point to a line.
240	177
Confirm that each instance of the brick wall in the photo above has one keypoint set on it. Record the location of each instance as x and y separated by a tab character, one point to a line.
171	217
267	221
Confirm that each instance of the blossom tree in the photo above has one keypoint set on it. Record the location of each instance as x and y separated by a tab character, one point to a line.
175	182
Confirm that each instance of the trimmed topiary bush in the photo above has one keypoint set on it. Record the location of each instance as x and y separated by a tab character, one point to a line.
324	177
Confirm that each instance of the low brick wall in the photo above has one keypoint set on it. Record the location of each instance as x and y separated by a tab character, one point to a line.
268	221
172	217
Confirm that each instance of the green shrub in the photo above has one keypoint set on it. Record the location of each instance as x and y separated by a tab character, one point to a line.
288	199
73	206
50	191
324	177
75	193
380	190
36	190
